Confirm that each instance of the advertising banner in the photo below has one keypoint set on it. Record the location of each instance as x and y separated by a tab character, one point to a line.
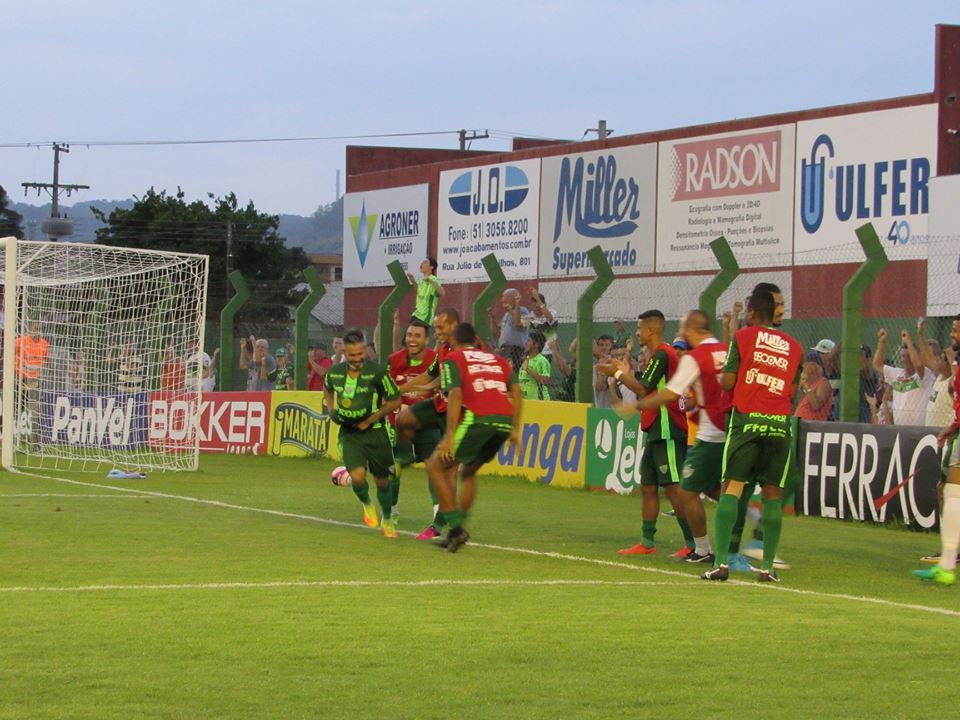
173	420
235	422
116	420
738	185
380	226
605	198
845	468
943	248
551	445
299	426
616	446
488	209
870	167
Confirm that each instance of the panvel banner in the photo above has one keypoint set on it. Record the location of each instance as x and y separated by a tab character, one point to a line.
870	167
380	226
551	445
605	198
846	468
300	427
738	185
488	209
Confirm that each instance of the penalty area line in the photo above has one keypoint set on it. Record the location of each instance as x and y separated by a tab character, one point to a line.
525	551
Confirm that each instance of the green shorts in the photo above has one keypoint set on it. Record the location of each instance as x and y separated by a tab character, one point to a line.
758	449
427	416
368	449
701	470
661	462
476	444
425	441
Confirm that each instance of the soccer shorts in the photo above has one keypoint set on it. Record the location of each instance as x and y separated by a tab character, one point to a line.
427	416
425	441
758	449
953	457
477	443
661	462
368	449
701	470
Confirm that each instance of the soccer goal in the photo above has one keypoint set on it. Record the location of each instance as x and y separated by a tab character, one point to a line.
102	351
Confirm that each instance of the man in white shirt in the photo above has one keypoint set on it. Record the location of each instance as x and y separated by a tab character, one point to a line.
911	384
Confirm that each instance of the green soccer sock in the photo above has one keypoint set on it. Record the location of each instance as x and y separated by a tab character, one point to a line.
772	524
362	492
724	521
439	519
687	533
394	488
647	531
737	533
455	518
385	496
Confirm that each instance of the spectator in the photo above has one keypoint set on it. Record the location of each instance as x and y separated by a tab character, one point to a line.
602	353
129	367
172	372
568	370
869	382
337	357
534	372
76	372
621	336
511	332
879	402
543	319
816	395
620	393
829	351
30	354
940	411
911	384
429	291
259	364
197	367
317	365
282	375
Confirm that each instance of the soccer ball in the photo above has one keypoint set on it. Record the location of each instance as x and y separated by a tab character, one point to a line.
340	476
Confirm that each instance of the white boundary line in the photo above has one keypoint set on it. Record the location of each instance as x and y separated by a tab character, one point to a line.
524	551
66	495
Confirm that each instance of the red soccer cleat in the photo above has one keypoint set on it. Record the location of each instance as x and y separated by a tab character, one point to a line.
682	553
638	549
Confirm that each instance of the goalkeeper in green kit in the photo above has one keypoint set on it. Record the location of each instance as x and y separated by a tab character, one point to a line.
359	395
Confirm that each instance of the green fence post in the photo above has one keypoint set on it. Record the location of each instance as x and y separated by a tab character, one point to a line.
585	305
851	325
302	330
729	269
485	300
225	372
391	303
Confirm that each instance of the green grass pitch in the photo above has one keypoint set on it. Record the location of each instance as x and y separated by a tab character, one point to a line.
249	589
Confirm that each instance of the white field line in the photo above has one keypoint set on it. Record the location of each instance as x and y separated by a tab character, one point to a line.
334	584
66	495
525	551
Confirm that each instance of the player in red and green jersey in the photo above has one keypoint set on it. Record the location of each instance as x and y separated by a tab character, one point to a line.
483	412
359	395
407	364
763	370
665	433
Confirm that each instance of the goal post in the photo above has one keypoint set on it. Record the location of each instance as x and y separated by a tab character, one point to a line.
102	356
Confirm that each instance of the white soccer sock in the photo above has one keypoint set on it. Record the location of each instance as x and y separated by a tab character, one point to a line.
950	526
436	509
702	545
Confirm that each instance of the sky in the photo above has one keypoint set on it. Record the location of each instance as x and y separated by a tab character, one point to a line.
100	74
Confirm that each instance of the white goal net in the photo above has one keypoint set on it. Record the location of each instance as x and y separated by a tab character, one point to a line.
102	356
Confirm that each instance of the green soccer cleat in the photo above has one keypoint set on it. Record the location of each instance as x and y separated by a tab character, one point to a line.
389	528
371	518
936	574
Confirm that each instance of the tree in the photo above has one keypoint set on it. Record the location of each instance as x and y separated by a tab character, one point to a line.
158	221
10	220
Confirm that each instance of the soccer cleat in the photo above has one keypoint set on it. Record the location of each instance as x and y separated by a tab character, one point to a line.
371	518
638	549
682	553
936	574
429	533
389	528
455	539
768	576
695	557
935	558
721	572
738	563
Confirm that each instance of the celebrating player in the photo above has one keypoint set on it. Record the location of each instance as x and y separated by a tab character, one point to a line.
483	411
359	395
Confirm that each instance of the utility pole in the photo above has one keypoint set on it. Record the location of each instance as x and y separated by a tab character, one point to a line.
56	227
474	135
229	254
601	130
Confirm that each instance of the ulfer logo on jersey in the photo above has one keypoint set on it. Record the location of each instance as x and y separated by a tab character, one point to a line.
363	226
487	191
772	342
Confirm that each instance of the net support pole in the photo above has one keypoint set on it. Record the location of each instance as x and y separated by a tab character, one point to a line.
729	269
302	330
9	351
486	298
585	305
227	316
403	285
851	320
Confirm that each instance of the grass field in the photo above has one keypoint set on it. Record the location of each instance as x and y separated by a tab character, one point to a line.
250	590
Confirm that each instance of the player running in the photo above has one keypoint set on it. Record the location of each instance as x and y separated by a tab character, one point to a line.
359	395
483	411
763	370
